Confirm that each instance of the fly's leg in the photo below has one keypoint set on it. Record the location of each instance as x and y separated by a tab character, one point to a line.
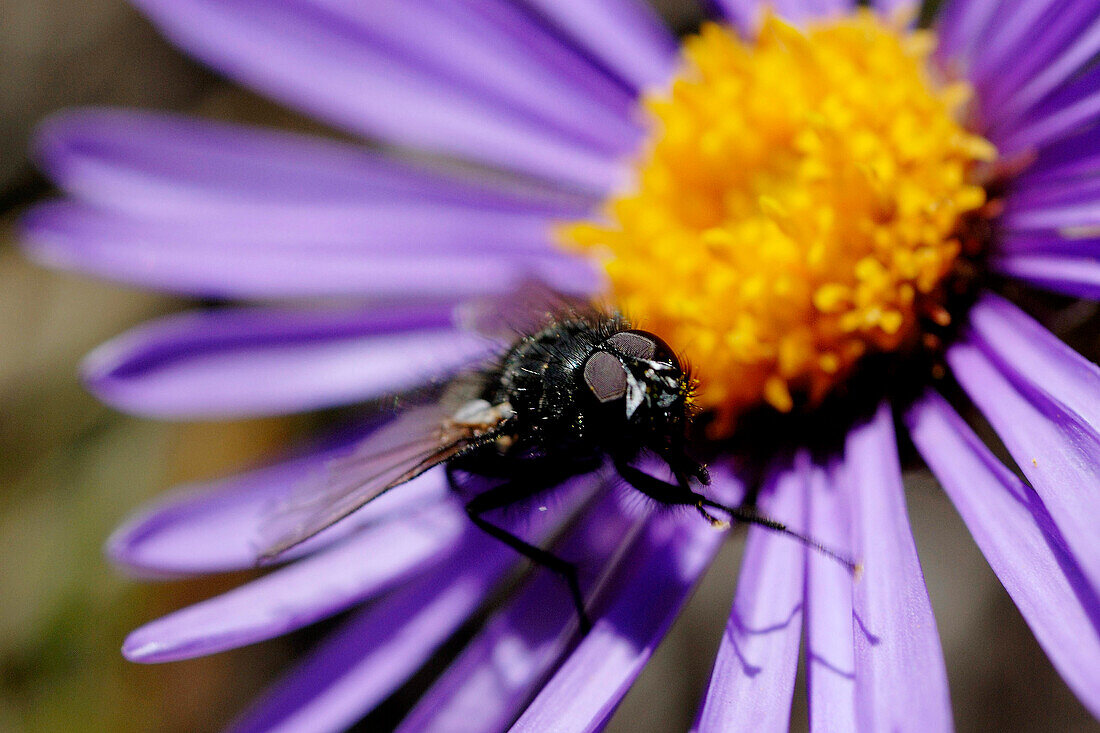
680	494
505	495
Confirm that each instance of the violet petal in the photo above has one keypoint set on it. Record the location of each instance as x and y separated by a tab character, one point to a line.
1058	115
753	677
370	656
663	566
485	688
314	60
830	641
1077	276
349	674
1056	449
239	362
1023	346
217	526
167	166
1062	42
626	35
899	667
1016	535
302	592
172	258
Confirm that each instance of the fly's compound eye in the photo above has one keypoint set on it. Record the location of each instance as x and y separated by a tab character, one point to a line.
605	376
643	345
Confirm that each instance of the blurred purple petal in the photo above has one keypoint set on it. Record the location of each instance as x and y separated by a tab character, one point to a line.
1077	276
485	688
172	167
660	569
216	526
1026	244
1056	449
373	654
625	35
467	49
303	592
237	362
830	642
313	59
366	660
1023	346
747	14
900	674
753	677
1066	161
1059	114
960	25
1018	539
246	264
1065	38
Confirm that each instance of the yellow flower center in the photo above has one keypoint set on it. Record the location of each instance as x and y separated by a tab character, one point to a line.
796	207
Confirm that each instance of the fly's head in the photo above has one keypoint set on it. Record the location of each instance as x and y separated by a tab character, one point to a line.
640	390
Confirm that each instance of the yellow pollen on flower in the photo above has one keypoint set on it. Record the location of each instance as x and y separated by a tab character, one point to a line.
796	206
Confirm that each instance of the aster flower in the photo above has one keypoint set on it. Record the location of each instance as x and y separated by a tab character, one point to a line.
811	211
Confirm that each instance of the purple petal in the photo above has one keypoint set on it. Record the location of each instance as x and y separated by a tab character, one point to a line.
322	62
204	261
900	674
1060	44
960	26
1077	276
165	166
753	677
663	566
236	362
747	14
1056	449
1027	349
1060	114
1067	160
303	592
830	642
216	526
486	687
382	647
623	34
1017	537
1025	244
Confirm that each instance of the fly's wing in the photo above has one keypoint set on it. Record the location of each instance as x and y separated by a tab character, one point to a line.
525	310
421	438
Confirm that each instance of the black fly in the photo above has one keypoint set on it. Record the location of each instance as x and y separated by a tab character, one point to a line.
583	389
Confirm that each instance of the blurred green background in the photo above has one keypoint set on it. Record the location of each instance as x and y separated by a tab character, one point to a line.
71	469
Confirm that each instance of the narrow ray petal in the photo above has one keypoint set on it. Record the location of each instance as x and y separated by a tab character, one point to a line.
1056	449
1058	115
753	677
1077	276
216	526
1066	37
663	565
1026	244
237	362
899	667
486	687
624	34
1071	159
1023	346
1019	540
303	592
354	670
961	23
747	14
830	643
172	167
165	257
322	66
